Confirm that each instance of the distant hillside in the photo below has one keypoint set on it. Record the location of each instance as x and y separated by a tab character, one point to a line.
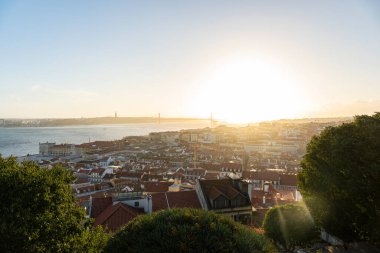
314	120
112	120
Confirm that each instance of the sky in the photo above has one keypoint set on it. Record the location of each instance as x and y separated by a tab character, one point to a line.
242	61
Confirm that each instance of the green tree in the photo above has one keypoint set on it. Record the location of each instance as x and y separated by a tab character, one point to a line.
186	230
340	179
290	225
38	212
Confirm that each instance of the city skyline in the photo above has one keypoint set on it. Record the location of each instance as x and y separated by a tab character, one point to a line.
242	61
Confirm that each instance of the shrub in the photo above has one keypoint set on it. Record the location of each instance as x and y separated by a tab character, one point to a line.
186	230
290	225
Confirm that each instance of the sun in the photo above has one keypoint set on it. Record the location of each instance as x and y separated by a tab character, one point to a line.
245	90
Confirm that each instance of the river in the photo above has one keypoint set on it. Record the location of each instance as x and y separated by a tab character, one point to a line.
20	141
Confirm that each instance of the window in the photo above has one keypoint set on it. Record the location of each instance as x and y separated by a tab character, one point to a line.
221	202
137	204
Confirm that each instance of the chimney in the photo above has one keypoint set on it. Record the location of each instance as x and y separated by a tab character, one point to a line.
89	211
149	206
250	186
244	187
266	187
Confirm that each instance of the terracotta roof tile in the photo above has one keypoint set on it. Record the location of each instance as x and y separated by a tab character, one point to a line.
179	199
232	192
99	204
97	171
159	202
81	180
150	177
128	174
287	195
211	175
83	171
225	186
288	179
156	186
94	195
265	175
88	188
183	199
116	216
214	193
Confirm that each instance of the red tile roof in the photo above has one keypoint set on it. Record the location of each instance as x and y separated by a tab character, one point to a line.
214	188
88	188
150	177
83	171
156	186
97	171
120	181
179	199
287	195
116	216
258	194
211	175
257	198
99	204
232	193
265	175
271	198
288	179
81	180
94	195
128	174
159	202
214	193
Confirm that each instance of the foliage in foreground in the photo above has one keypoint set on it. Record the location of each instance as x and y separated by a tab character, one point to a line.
186	230
38	212
340	179
290	225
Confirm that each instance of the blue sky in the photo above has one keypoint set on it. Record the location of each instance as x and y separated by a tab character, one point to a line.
92	58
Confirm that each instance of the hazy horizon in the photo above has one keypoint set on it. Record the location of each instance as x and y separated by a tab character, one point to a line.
242	61
184	118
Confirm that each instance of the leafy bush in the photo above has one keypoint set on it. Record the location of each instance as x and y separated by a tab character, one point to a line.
290	225
186	230
38	212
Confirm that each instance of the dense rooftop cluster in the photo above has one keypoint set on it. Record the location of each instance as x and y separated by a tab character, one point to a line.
116	181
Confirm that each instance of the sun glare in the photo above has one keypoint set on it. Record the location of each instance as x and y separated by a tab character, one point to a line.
247	90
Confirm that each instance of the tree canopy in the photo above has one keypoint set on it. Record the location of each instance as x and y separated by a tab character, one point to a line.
38	212
340	179
290	225
186	230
